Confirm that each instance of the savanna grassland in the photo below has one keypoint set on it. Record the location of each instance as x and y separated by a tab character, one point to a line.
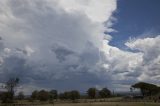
106	104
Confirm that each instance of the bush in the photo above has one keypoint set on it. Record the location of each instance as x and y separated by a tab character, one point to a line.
71	95
6	97
43	95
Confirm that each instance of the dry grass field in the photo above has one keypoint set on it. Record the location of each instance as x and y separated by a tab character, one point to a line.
115	101
97	104
108	104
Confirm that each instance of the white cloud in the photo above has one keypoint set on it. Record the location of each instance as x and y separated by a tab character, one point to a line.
121	63
56	43
97	11
7	50
150	48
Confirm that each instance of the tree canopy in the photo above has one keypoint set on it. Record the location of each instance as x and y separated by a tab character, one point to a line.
104	93
146	89
92	92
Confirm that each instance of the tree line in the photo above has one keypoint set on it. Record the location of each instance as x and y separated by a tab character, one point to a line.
43	95
10	86
73	95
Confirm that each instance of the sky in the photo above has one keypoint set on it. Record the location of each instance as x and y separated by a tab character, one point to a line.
77	44
135	18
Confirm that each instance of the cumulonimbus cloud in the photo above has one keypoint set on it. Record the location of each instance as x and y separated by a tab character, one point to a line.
57	43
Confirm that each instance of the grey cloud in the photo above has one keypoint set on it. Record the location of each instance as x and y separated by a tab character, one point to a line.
61	52
14	66
53	44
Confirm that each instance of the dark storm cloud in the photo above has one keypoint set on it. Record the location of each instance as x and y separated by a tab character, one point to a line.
53	44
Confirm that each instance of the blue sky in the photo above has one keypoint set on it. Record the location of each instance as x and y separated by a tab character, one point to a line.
135	18
59	44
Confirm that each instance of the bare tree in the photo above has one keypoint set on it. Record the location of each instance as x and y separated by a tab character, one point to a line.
10	85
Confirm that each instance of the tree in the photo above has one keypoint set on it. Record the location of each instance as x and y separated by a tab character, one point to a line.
10	86
43	95
20	96
67	95
6	97
91	93
146	89
74	95
104	93
34	95
70	95
53	94
61	96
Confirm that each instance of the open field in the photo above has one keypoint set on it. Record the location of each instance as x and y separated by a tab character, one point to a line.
108	104
96	104
115	101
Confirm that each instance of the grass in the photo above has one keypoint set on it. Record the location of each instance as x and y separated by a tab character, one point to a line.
107	104
104	104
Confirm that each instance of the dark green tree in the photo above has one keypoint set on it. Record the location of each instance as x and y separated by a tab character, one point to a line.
34	95
104	93
146	89
67	95
53	94
6	97
61	96
91	93
70	95
43	95
74	95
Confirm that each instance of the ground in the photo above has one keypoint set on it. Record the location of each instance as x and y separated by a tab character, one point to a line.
117	101
102	104
108	104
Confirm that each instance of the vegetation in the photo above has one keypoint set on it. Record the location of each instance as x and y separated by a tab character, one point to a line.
104	93
43	95
91	93
108	104
10	86
146	88
53	94
34	95
70	95
74	95
6	97
20	96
